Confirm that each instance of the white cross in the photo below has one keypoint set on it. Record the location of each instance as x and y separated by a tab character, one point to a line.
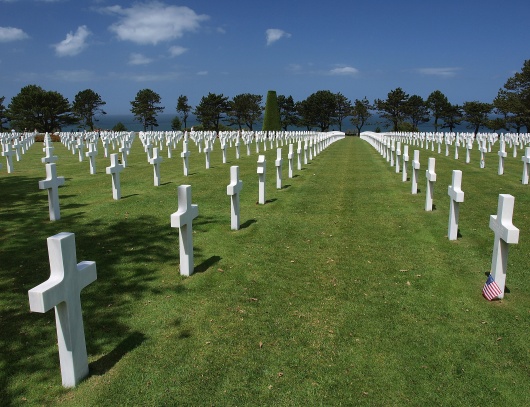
91	154
149	150
502	155
415	169
278	164
290	160
207	151
483	151
405	161
526	162
49	158
456	196
8	154
223	148
457	144
124	150
183	219
398	154
431	179
299	155
233	189
262	166
115	169
155	161
62	291
185	154
52	184
80	147
505	233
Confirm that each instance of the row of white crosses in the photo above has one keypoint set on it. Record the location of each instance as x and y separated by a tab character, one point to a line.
15	144
386	144
505	232
67	277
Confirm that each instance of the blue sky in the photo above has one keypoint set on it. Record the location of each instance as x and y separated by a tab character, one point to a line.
466	49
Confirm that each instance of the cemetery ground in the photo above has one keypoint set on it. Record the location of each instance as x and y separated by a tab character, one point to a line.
340	290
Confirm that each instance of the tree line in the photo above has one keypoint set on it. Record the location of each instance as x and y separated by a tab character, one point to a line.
48	111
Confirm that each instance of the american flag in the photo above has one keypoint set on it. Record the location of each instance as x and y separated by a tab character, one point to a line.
491	290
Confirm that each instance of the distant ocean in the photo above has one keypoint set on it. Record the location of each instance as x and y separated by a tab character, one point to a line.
108	121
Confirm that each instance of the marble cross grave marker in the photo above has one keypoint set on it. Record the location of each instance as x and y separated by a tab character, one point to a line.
185	156
290	160
91	154
233	189
502	155
52	184
115	169
155	161
405	162
505	234
526	163
262	166
415	170
456	195
62	291
431	179
278	164
183	219
8	154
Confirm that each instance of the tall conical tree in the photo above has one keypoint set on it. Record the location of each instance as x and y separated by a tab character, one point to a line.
271	118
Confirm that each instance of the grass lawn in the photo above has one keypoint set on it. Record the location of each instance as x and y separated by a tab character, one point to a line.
341	290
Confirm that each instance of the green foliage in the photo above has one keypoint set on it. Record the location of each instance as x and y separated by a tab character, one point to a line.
288	114
343	109
176	124
452	116
437	103
360	113
476	114
244	109
3	115
319	110
87	104
271	117
184	108
35	108
517	95
417	111
119	127
145	108
394	108
211	110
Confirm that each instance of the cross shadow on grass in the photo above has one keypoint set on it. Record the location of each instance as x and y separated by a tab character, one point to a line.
247	223
206	264
106	362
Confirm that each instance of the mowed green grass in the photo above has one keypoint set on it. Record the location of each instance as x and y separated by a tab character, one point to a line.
341	290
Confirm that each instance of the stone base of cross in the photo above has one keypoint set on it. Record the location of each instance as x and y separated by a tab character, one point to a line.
183	219
505	234
62	291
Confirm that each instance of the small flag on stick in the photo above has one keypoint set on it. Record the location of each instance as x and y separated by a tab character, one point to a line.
491	290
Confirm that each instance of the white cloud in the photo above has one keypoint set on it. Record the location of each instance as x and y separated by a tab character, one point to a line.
73	44
8	34
176	50
344	70
139	59
443	72
274	34
202	73
153	22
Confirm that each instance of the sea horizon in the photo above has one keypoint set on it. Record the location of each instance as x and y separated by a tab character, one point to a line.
108	121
